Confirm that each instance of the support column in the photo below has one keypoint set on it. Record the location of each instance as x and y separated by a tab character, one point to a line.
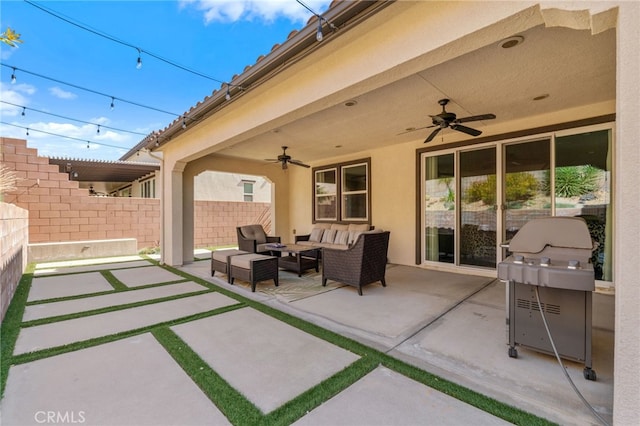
626	390
188	213
172	217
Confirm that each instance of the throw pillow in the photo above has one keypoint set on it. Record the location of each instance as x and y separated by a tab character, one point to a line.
342	237
328	236
316	234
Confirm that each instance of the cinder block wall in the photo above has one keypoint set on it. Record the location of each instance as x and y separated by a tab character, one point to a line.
215	222
61	211
14	236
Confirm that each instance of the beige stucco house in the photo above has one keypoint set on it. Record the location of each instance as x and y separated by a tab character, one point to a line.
560	77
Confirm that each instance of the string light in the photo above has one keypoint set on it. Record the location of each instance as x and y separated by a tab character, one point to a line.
13	76
113	98
227	96
71	118
319	35
27	131
98	130
63	136
112	106
88	145
139	64
184	123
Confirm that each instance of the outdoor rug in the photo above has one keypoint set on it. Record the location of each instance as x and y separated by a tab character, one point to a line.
291	287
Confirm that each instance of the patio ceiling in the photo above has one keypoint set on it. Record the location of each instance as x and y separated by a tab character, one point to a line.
575	68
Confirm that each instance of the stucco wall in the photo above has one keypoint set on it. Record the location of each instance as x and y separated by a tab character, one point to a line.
14	236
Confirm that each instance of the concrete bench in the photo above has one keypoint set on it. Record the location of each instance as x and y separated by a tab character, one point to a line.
220	260
253	268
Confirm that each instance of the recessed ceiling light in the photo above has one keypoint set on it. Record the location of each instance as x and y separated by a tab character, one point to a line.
510	42
541	97
351	103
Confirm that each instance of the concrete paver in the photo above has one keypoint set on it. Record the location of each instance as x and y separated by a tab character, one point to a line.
56	270
384	397
267	360
85	262
46	310
80	329
136	277
67	285
133	381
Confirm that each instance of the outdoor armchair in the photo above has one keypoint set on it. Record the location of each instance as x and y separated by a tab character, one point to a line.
253	239
362	263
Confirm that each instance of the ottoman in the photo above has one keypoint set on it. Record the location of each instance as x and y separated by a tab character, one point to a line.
220	260
253	268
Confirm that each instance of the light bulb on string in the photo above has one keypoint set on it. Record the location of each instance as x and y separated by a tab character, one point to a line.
13	76
227	96
98	130
319	32
139	63
112	103
27	132
184	123
88	145
23	111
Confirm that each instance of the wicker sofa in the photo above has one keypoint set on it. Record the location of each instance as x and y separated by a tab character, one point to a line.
332	235
362	263
253	239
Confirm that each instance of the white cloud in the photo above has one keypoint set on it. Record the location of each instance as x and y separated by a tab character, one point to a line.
249	10
62	94
15	94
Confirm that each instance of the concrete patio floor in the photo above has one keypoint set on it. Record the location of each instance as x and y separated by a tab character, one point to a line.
451	325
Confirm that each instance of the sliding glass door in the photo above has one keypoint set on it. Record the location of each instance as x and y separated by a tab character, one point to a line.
478	207
474	199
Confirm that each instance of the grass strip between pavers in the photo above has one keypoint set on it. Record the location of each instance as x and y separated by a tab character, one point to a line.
98	311
57	350
11	324
115	283
236	408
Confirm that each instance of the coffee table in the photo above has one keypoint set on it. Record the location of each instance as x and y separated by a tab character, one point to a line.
298	258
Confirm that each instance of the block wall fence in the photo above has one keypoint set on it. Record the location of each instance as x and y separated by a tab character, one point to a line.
14	235
59	210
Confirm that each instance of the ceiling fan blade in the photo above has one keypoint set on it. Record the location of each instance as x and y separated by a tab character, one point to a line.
298	163
475	118
415	129
432	135
465	129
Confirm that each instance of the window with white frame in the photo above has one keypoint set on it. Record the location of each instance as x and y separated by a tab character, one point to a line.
247	187
326	206
148	188
341	192
355	194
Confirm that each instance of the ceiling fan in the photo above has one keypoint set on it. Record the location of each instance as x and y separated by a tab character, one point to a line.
448	119
285	159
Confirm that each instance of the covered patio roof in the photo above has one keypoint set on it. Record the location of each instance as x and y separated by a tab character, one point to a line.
104	171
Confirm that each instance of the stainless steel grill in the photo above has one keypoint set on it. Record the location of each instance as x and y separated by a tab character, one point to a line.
551	254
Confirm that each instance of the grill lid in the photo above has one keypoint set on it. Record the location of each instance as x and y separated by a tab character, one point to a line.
561	232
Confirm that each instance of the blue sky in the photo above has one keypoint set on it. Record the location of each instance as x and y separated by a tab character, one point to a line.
217	38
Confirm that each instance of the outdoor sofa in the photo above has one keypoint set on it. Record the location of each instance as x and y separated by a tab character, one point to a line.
333	235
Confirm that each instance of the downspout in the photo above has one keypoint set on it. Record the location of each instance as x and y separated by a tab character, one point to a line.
162	202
